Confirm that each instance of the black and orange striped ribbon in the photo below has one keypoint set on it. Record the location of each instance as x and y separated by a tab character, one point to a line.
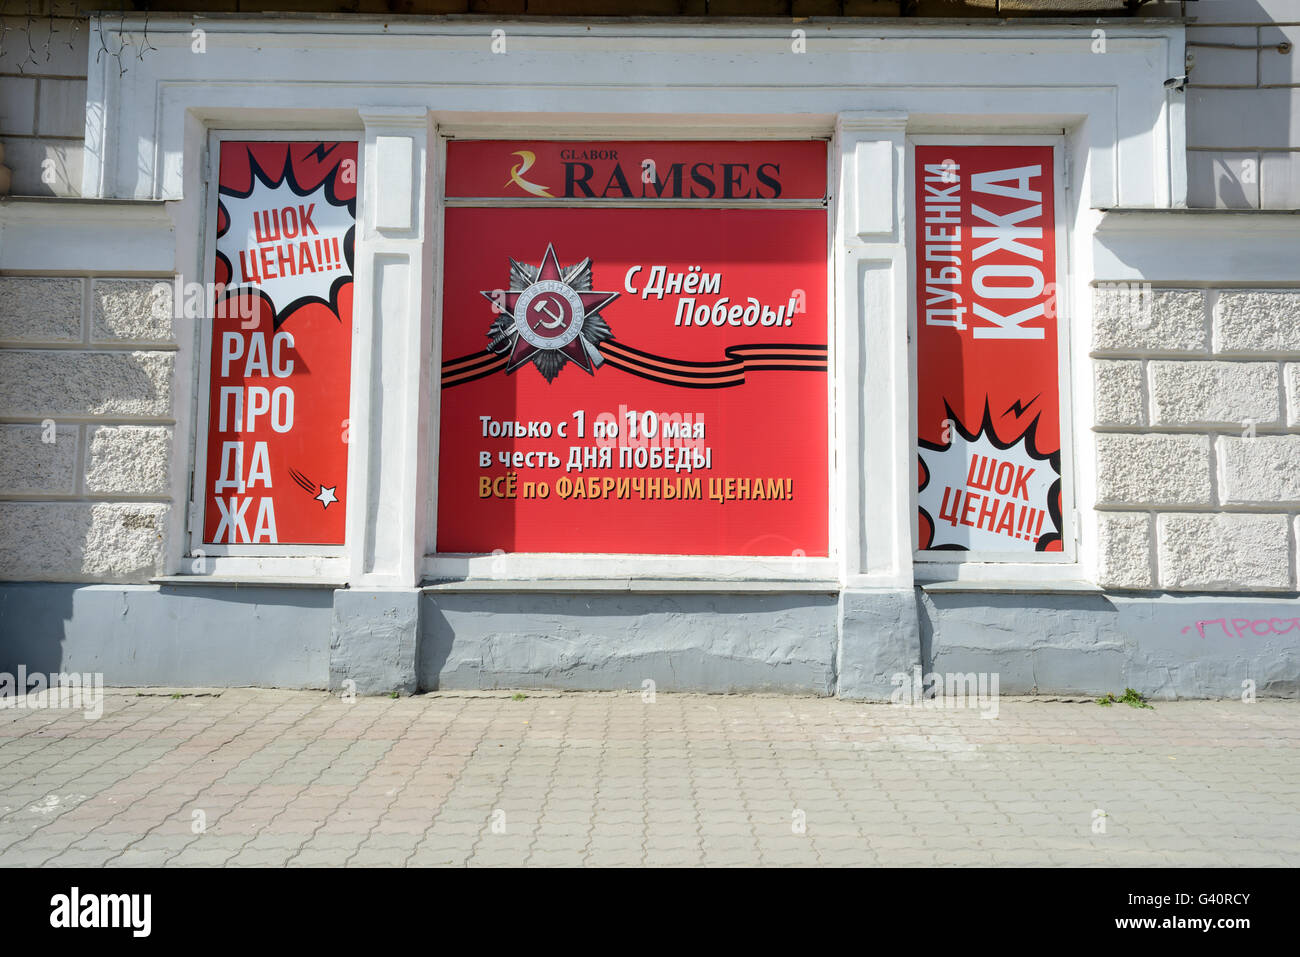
680	372
471	367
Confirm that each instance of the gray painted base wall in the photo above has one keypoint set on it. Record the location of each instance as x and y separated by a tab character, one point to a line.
374	640
1092	644
855	644
880	637
140	635
684	642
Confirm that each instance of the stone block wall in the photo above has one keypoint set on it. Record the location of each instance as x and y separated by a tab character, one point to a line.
1243	111
86	426
43	57
1197	437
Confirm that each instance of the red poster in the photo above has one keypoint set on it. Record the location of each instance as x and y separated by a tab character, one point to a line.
633	380
988	374
280	363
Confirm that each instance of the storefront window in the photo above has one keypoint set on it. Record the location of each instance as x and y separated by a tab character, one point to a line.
634	341
273	467
989	352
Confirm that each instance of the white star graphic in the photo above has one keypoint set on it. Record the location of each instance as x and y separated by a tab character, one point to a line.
326	496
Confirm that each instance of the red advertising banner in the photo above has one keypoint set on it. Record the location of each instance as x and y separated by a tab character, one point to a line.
988	372
633	380
764	169
280	363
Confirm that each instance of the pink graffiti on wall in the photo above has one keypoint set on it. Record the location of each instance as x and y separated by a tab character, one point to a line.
1242	625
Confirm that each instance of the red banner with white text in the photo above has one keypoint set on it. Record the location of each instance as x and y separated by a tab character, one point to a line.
988	368
622	379
281	344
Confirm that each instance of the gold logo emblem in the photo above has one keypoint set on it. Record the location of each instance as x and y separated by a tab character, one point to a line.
519	169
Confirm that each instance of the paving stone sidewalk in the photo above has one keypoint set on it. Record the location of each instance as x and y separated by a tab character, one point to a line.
273	778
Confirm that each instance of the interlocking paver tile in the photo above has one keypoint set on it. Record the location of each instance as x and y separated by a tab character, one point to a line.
608	779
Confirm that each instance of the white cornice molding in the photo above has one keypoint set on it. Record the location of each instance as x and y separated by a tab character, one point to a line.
86	236
1197	246
671	28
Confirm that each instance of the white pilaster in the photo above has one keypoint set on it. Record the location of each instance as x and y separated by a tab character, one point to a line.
388	474
872	361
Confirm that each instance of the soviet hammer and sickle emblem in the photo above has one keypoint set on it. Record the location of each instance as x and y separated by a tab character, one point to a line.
544	306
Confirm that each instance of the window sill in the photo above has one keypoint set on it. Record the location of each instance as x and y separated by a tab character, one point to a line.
1062	587
228	581
640	586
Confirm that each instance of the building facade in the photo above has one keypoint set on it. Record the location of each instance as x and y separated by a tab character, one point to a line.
724	354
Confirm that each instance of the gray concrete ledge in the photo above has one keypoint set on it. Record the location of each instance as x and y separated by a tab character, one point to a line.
1010	588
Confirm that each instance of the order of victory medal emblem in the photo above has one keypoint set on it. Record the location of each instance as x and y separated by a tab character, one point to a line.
549	316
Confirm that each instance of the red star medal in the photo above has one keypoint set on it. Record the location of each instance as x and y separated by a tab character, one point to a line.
549	316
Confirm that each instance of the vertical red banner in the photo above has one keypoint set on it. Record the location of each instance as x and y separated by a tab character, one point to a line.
988	368
280	361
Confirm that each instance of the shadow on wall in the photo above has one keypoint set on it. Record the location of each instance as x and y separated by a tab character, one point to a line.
1227	186
33	619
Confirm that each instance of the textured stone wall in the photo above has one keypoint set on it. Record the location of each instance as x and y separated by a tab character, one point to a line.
1197	437
85	428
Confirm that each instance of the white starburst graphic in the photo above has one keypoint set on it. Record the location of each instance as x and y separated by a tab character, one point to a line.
289	247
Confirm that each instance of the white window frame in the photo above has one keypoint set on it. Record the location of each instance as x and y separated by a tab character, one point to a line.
220	560
525	566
